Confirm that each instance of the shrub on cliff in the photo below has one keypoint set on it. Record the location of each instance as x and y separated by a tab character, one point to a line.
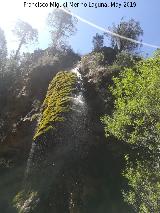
137	103
136	121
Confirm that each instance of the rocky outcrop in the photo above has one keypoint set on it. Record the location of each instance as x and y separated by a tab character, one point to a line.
20	104
69	163
70	168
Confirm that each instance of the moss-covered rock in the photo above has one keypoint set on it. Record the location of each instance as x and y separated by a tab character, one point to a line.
25	201
56	102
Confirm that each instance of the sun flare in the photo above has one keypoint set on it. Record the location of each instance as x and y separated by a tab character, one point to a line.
14	10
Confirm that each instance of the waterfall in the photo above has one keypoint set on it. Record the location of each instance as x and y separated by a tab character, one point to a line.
58	157
75	119
71	169
78	99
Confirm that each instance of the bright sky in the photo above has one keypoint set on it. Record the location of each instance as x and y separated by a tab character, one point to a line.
11	10
147	12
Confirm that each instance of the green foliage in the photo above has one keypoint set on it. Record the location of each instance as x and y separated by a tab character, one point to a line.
96	69
92	62
126	59
97	41
144	182
109	55
157	53
56	102
25	201
137	94
136	121
130	29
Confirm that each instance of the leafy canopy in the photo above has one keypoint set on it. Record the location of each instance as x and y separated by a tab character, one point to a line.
137	112
25	31
62	26
144	183
98	41
130	29
136	120
25	34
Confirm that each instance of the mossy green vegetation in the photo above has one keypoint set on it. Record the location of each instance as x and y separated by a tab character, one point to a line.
25	201
56	102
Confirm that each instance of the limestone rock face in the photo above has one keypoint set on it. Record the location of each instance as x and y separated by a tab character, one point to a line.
60	143
65	169
21	97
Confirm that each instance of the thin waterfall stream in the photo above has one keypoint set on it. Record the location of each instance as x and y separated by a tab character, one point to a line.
69	169
65	148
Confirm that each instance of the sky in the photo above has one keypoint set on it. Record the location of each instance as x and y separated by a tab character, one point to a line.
146	12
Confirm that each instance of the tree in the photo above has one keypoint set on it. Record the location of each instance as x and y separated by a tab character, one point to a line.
3	61
144	183
156	53
62	27
126	59
3	52
97	41
136	121
130	29
25	34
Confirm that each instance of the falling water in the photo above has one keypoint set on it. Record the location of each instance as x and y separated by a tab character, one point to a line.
65	149
78	99
75	120
67	167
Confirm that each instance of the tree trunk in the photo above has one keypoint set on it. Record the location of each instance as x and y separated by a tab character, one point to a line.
19	47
